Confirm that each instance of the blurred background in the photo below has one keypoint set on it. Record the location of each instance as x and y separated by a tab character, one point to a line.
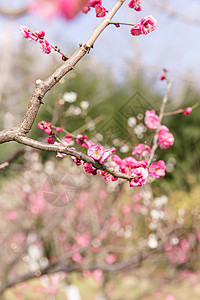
105	97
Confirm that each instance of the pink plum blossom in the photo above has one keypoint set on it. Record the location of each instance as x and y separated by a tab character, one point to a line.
151	119
40	34
165	139
44	45
135	4
82	140
106	155
89	168
68	138
140	178
141	149
77	257
111	258
50	140
96	152
100	11
148	24
108	176
187	111
98	275
136	30
58	129
27	33
162	77
145	26
157	169
83	239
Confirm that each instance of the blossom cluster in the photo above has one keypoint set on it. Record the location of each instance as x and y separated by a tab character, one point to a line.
99	8
178	253
35	36
165	137
145	26
138	170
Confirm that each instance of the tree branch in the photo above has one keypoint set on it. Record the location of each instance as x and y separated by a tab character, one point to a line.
42	87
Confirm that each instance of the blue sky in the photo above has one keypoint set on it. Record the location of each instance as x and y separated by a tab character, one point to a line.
174	45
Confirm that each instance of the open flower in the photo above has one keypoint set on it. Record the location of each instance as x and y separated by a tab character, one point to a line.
148	24
135	4
157	169
140	178
151	120
44	45
165	137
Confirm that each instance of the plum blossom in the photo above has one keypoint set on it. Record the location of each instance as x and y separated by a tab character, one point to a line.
83	239
151	120
100	11
59	154
111	258
162	77
187	111
89	168
68	138
46	126
140	178
157	169
148	24
45	46
40	34
81	140
28	34
108	176
145	26
132	167
98	275
77	257
135	4
136	30
96	152
58	129
165	137
50	140
141	149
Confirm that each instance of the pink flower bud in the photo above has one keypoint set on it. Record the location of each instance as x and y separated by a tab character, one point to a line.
188	111
44	45
117	25
50	140
162	77
58	129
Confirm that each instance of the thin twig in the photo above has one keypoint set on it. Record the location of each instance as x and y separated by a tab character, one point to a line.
161	115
